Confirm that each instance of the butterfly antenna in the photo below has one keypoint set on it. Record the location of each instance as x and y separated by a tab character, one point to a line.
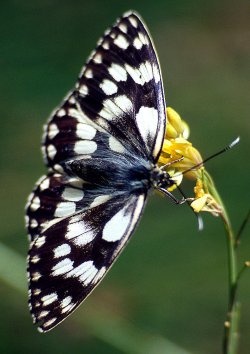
199	218
171	163
228	147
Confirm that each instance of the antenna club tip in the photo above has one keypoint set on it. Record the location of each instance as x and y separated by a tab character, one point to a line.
234	142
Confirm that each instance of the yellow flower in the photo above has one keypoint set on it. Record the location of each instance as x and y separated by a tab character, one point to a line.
177	151
204	201
179	155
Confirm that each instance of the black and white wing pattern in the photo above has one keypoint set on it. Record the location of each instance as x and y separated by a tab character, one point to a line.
100	146
119	91
68	259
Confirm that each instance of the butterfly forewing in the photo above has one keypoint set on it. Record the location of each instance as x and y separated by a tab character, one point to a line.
119	92
100	146
121	87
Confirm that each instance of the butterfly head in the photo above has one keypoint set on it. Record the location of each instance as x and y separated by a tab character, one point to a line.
161	179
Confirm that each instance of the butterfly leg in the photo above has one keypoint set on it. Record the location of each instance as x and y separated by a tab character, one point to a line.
172	197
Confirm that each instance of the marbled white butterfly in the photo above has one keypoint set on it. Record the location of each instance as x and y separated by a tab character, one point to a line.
101	147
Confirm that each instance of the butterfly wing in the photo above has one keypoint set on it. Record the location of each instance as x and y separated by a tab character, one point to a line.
69	258
57	196
80	219
119	95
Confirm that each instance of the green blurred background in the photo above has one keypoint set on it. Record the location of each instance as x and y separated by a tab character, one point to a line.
168	291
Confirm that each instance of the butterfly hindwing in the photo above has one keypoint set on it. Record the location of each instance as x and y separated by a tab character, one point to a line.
57	196
69	258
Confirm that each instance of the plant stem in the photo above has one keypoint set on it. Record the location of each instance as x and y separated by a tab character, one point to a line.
230	340
232	322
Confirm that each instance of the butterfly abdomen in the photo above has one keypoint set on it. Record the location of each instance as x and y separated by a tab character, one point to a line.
123	174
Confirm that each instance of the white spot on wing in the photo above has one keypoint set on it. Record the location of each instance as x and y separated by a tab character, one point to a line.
141	75
143	38
33	223
124	103
44	185
40	241
135	74
137	43
97	58
108	87
51	151
115	145
147	121
88	276
121	42
83	89
134	218
67	308
36	292
100	200
85	131
79	233
49	323
85	147
61	112
42	314
72	100
35	259
74	113
133	21
113	108
117	72
123	27
116	227
72	194
66	301
65	209
58	168
52	131
35	204
105	45
36	276
156	73
80	270
146	70
62	267
62	250
88	74
49	299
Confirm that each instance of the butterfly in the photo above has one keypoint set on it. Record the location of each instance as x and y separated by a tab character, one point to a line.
101	147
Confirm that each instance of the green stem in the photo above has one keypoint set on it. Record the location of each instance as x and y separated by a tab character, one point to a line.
231	331
232	322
